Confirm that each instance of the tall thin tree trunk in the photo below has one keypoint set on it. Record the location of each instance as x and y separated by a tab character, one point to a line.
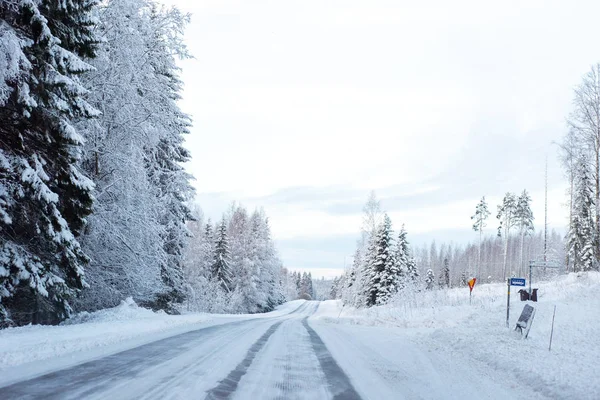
505	255
597	205
479	255
597	150
521	262
572	179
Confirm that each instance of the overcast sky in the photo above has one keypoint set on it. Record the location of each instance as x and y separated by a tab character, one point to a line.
304	107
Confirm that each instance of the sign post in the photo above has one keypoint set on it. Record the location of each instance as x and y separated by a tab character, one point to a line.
508	301
471	285
540	264
511	282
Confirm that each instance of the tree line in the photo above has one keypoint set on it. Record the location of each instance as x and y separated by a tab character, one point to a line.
232	266
385	265
580	157
92	191
94	200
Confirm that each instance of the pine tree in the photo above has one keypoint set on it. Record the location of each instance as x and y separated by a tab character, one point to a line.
463	278
446	273
370	276
44	198
385	272
506	216
481	215
523	222
165	160
352	287
408	272
429	279
581	237
221	262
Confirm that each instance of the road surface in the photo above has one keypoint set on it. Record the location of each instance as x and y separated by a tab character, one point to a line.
284	357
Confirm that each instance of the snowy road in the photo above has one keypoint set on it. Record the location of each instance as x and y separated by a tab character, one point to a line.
282	357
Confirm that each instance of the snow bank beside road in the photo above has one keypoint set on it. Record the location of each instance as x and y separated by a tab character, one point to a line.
444	322
91	335
86	331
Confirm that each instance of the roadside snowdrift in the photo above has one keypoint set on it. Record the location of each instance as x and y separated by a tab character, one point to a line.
444	321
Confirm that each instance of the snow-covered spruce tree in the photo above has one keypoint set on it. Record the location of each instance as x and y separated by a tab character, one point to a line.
479	222
429	279
221	270
44	198
384	270
524	223
369	275
268	263
581	239
246	263
351	286
463	278
445	275
506	216
408	271
584	129
304	287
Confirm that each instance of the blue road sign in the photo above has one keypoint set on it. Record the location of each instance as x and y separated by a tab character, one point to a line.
517	281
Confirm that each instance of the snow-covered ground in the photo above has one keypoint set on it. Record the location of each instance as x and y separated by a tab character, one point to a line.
445	323
428	345
89	336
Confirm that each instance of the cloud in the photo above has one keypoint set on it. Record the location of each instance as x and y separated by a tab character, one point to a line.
305	106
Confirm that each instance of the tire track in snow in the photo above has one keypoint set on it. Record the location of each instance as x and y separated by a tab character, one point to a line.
287	368
95	376
228	386
338	381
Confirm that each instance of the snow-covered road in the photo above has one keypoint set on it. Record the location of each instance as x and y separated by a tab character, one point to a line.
287	356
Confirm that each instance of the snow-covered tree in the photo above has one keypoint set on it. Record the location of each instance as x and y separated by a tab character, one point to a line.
134	153
445	275
429	279
581	237
408	272
44	197
221	269
384	272
523	222
372	214
463	278
584	125
506	216
479	222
